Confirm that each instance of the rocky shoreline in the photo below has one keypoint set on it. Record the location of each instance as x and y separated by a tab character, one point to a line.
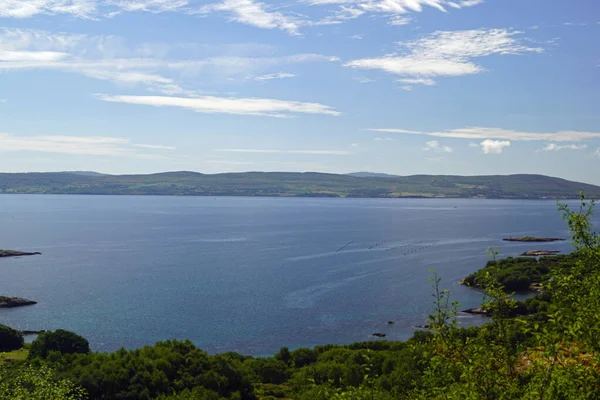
14	253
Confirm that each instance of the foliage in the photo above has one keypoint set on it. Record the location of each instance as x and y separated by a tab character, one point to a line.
10	339
36	383
61	341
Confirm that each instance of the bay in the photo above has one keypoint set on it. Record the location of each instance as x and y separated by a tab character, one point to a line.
250	274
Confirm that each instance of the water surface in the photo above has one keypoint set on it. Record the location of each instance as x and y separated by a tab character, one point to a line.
249	274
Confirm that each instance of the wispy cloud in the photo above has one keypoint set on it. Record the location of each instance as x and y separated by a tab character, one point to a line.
436	146
3	101
399	20
494	146
110	59
499	133
555	147
279	75
362	79
228	105
255	13
272	151
446	53
87	9
97	146
383	139
355	37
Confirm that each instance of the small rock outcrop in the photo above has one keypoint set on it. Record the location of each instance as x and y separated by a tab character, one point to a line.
537	253
381	335
14	253
531	239
12	302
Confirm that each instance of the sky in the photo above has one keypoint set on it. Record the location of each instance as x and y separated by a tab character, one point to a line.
464	87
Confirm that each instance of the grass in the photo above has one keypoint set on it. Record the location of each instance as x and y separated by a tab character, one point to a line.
12	356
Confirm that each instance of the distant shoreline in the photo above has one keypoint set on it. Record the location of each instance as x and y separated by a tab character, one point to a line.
299	197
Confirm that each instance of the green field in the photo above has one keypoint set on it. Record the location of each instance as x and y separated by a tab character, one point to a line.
287	184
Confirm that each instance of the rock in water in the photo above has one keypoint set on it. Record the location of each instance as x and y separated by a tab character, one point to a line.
379	334
14	253
11	302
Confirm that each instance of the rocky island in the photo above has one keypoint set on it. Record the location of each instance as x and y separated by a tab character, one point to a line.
531	239
14	253
12	302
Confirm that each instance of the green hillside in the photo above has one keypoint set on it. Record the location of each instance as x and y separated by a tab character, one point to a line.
296	184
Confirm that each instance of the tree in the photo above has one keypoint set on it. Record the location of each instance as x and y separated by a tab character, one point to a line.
60	340
10	339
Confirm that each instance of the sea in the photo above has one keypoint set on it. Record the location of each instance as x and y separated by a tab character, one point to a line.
248	274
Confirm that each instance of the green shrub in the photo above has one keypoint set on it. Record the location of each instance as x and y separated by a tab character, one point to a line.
61	341
10	339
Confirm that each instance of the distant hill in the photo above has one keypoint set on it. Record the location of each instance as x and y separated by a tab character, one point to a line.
87	173
370	175
292	184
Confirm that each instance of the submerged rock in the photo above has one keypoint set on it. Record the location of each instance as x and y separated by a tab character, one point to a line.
379	335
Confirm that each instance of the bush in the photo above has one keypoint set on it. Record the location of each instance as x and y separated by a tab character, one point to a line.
62	341
10	339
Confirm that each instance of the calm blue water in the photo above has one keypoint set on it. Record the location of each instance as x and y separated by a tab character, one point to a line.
249	274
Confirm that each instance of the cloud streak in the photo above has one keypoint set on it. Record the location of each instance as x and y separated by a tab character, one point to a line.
305	152
228	105
78	145
477	132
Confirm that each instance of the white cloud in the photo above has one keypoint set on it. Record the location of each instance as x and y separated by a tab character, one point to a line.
3	101
383	139
279	75
418	81
436	146
254	13
597	152
228	105
555	147
355	37
494	146
399	20
499	133
446	53
354	145
473	145
271	151
79	145
362	79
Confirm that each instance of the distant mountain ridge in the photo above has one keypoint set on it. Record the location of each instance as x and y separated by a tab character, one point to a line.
296	184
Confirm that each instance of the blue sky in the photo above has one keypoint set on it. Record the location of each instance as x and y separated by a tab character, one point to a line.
399	86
